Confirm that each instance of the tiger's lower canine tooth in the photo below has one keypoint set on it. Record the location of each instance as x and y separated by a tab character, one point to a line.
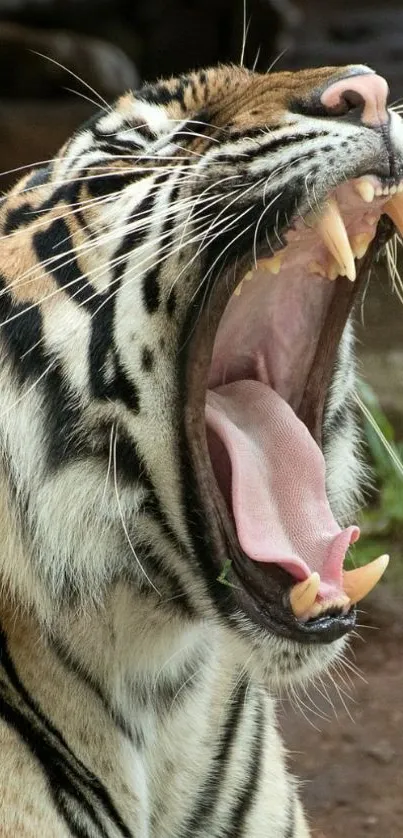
333	270
303	595
316	268
360	244
365	190
333	232
394	209
359	582
238	289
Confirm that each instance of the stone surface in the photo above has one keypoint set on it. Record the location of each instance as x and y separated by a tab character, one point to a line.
350	33
25	74
168	36
31	132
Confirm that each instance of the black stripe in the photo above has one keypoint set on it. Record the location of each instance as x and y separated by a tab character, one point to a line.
166	696
66	657
102	323
54	766
63	414
164	577
18	218
48	745
108	182
23	215
151	290
134	238
21	330
151	285
39	177
78	830
101	342
211	789
261	132
152	506
265	148
159	694
63	267
107	140
108	378
131	466
141	128
121	387
160	94
67	193
171	302
193	128
247	795
24	341
147	359
279	143
118	148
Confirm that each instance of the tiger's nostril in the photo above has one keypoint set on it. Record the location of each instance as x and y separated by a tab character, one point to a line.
351	99
367	92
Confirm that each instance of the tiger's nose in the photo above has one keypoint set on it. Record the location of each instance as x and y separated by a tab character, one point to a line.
367	93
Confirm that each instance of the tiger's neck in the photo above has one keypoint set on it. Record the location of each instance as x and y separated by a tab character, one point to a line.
109	694
121	658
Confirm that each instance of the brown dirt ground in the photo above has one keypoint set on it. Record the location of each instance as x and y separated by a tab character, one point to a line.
351	764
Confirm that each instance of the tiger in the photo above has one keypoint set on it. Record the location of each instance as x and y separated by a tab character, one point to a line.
180	450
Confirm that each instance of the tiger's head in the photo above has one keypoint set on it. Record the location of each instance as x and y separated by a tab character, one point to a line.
177	374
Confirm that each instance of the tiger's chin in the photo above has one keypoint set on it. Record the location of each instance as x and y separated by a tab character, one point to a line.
260	367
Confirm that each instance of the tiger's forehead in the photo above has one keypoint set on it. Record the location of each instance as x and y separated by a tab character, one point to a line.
233	95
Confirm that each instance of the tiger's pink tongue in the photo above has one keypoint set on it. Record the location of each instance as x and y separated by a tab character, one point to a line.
272	474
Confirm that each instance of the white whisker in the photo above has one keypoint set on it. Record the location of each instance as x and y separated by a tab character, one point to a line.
127	536
100	98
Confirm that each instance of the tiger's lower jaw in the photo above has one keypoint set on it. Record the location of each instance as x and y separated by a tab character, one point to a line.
260	366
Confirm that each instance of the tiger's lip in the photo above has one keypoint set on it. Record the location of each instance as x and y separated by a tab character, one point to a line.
262	592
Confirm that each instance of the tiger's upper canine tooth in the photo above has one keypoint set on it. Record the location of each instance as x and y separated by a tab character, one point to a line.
333	232
366	190
303	595
394	209
272	265
359	582
360	244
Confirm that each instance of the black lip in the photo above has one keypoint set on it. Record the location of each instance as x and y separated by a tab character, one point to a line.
266	593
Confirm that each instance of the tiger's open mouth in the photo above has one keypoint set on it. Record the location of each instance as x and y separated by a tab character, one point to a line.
260	367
